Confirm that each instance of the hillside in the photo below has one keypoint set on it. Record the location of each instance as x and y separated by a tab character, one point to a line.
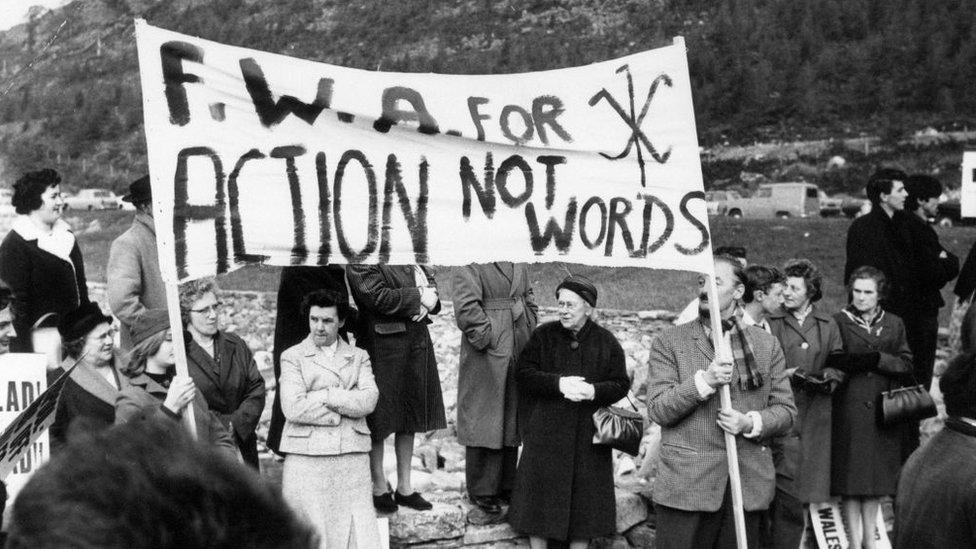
763	70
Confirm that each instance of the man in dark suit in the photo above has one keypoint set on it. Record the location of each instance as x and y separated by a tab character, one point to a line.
934	268
692	492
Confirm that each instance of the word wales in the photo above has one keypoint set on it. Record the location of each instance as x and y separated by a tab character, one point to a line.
256	157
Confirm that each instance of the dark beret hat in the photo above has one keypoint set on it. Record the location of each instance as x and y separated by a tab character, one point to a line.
581	286
82	320
149	324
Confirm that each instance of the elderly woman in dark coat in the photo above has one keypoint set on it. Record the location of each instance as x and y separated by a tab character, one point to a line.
88	399
39	259
222	366
812	345
394	302
494	308
866	458
569	368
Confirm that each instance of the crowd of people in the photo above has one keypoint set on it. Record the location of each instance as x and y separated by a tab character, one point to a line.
355	366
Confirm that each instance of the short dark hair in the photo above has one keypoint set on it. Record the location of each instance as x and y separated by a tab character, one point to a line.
737	252
921	187
881	182
958	385
870	273
324	298
149	485
805	269
29	188
760	278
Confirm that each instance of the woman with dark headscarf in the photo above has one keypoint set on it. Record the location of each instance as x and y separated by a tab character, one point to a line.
568	369
39	259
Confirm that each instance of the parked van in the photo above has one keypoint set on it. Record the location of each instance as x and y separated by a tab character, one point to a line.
781	200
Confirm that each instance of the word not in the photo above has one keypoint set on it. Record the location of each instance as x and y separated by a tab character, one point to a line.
613	217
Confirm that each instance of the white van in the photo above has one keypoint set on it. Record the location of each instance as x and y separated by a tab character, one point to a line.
781	200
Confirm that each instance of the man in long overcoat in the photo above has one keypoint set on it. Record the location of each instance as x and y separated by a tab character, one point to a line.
134	283
495	310
692	492
394	302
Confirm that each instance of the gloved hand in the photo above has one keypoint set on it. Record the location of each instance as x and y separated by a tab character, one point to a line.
864	362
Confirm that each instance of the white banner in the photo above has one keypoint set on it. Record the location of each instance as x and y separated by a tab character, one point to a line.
257	157
24	418
967	190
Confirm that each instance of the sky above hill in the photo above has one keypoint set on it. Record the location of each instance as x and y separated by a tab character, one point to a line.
14	12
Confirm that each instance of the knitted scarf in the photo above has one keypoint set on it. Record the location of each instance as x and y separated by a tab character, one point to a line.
749	376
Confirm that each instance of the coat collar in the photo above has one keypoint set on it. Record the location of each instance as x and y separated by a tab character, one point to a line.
92	382
147	384
146	221
845	323
343	355
815	313
59	242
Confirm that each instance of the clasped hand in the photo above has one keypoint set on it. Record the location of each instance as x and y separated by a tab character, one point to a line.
181	392
576	389
428	300
719	372
734	422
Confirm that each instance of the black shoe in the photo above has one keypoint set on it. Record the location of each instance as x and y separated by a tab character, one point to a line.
488	504
413	501
384	503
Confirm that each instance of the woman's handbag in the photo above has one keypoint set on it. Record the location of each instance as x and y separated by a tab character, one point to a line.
910	403
619	428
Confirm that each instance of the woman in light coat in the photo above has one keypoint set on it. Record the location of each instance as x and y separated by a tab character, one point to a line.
327	390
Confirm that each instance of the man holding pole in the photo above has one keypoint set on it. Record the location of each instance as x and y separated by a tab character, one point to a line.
695	493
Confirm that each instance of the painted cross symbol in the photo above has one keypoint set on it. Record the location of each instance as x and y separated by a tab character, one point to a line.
633	120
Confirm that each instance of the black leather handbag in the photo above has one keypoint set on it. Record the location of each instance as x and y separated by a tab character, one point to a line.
910	403
619	428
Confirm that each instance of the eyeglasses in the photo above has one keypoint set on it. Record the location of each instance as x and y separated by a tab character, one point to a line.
109	334
215	308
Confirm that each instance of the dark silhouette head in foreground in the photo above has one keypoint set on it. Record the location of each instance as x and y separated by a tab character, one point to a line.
148	485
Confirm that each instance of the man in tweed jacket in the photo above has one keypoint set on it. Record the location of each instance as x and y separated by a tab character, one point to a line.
691	493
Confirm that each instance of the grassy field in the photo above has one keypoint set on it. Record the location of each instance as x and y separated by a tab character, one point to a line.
767	241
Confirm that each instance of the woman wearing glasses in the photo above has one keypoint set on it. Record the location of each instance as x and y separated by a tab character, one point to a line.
88	399
222	366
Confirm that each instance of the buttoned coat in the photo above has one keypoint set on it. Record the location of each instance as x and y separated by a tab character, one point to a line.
803	455
399	348
86	396
291	327
866	458
494	308
143	398
326	399
134	283
564	482
693	471
39	281
233	389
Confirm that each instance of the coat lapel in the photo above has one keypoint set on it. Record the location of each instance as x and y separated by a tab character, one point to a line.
200	360
703	341
91	381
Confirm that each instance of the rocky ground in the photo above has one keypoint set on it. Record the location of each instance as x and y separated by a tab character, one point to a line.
439	459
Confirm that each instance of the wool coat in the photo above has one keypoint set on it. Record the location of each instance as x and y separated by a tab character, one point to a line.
143	399
936	503
40	282
291	327
886	243
866	458
232	387
564	483
802	456
134	282
932	272
87	401
495	310
399	348
693	471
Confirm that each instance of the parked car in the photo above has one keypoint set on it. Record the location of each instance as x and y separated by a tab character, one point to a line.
854	206
93	199
715	201
783	200
830	206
